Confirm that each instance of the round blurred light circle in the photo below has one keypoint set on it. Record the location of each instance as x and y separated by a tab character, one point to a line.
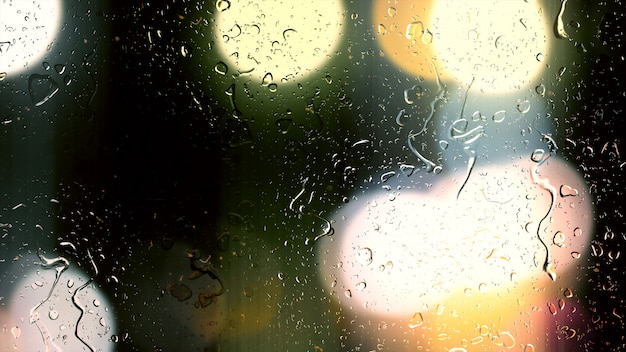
395	252
497	46
69	314
278	40
27	30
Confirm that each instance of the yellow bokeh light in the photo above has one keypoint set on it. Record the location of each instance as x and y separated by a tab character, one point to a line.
278	41
497	46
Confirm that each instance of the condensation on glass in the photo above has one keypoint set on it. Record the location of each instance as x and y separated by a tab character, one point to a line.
327	175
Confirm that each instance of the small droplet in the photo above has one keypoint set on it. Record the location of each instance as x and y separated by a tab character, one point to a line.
360	286
567	191
539	57
16	331
577	232
382	30
559	239
272	87
221	68
499	116
70	283
568	293
537	155
477	340
60	68
468	292
457	349
102	322
575	255
391	11
541	89
348	293
523	106
507	339
443	144
441	308
529	348
354	16
482	287
41	88
3	75
364	256
53	315
267	79
552	308
416	320
222	5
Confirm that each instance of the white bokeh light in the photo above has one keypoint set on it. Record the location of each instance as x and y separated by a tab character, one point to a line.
28	28
397	251
497	45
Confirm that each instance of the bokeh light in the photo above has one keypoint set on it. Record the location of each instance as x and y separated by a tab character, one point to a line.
276	41
27	31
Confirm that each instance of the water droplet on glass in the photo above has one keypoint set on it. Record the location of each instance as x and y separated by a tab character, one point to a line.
348	293
523	106
221	68
354	16
53	315
272	87
364	256
443	145
360	286
222	5
567	191
382	29
60	68
539	57
541	89
575	255
577	232
184	50
468	292
507	339
386	176
70	283
529	348
328	79
284	125
477	340
552	308
392	11
16	331
45	65
407	170
568	293
477	116
537	155
457	349
3	75
416	320
482	287
499	116
41	88
559	239
267	79
441	308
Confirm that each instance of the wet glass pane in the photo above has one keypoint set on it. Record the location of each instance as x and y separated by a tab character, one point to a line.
331	175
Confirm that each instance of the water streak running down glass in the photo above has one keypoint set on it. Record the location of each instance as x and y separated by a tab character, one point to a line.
332	175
